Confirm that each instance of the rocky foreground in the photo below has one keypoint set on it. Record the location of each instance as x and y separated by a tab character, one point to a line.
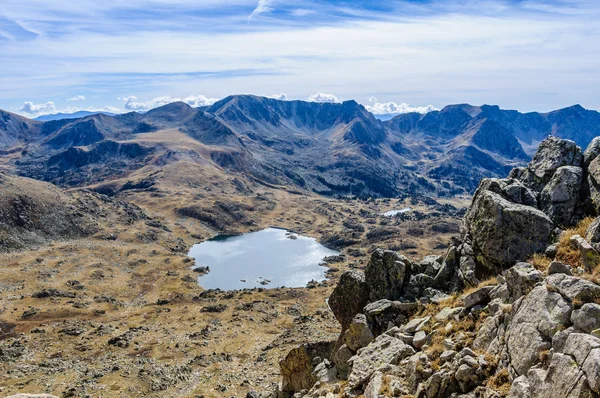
527	325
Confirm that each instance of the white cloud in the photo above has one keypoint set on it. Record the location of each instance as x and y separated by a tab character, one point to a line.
302	12
392	108
77	98
199	100
507	56
280	97
262	7
132	103
322	97
36	109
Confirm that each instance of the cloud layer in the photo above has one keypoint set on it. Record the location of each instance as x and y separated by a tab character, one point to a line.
322	97
529	55
132	103
392	108
37	109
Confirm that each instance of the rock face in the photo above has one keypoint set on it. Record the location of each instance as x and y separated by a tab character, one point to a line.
559	198
385	274
349	297
511	219
385	349
502	231
298	366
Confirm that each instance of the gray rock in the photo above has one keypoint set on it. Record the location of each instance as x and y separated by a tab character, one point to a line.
297	368
592	234
383	312
551	250
437	384
420	339
574	288
587	318
591	368
430	265
579	345
540	315
552	154
559	197
467	267
435	296
480	296
488	332
520	388
349	297
504	232
591	152
416	324
358	334
341	358
556	267
589	255
519	193
564	378
31	396
374	387
447	313
500	292
383	350
521	279
447	356
560	339
464	373
593	183
385	275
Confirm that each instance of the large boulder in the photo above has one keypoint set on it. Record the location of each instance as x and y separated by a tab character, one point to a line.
503	232
552	154
591	152
540	315
349	297
593	184
560	196
358	334
383	350
298	366
521	279
385	274
574	288
587	318
592	234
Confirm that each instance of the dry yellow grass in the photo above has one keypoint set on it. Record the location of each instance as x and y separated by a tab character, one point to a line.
540	262
566	253
500	382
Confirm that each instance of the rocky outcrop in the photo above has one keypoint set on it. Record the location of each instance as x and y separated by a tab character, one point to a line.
385	274
532	333
298	366
511	219
349	297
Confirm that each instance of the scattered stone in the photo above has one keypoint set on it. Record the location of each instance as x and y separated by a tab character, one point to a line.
478	297
556	267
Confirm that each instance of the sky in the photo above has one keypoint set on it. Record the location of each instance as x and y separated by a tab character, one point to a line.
392	56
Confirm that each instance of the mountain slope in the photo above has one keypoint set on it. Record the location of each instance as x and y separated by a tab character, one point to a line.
329	148
74	115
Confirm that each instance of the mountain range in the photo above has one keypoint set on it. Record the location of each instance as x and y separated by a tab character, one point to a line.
74	115
328	148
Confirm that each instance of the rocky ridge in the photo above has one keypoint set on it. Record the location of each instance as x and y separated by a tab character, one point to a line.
525	327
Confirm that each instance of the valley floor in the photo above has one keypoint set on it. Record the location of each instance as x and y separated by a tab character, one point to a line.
120	313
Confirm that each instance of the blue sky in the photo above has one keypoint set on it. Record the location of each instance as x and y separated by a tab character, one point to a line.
392	56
